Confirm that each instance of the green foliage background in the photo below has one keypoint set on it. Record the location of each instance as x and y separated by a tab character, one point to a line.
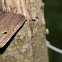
53	17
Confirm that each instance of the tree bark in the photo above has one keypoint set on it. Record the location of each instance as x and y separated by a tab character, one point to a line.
29	43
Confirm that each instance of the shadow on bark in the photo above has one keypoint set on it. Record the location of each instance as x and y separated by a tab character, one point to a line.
3	49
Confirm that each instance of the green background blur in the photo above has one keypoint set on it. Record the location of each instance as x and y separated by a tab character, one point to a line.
53	18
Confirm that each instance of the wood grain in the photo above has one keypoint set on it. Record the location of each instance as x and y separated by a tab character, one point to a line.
10	22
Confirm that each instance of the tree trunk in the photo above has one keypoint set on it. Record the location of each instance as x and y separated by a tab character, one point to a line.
28	45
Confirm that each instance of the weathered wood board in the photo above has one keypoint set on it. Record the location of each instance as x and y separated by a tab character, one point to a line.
9	22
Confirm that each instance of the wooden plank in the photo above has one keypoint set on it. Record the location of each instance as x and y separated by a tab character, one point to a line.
9	22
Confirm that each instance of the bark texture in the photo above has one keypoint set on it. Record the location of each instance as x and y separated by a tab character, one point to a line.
27	45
